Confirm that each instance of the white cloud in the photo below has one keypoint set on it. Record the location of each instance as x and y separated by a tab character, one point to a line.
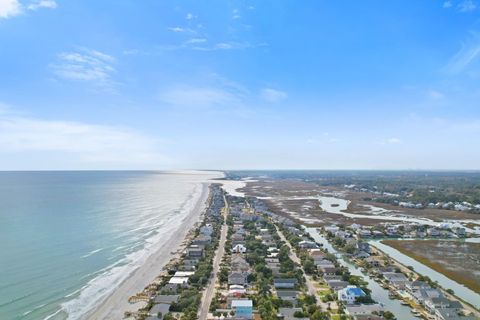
447	4
435	95
469	52
236	14
181	30
9	8
190	16
196	41
394	141
467	6
87	66
89	144
50	4
272	95
199	97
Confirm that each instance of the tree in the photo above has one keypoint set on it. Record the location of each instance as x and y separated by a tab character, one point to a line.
319	315
309	266
298	314
388	315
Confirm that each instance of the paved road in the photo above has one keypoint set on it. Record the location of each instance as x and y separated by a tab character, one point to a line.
210	289
308	279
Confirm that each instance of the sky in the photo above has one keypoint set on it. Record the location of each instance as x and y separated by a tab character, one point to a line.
223	84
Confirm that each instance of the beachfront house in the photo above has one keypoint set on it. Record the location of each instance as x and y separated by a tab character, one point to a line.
179	282
206	230
202	240
243	309
350	294
195	252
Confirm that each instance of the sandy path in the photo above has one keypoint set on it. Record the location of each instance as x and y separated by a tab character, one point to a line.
117	303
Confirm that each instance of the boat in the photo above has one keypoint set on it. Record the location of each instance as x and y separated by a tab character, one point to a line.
405	303
392	295
416	313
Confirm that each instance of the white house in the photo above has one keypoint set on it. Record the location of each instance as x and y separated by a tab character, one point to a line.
350	294
239	248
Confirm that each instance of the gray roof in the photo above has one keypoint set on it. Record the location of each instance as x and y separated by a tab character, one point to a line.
288	313
161	307
167	299
289	280
287	293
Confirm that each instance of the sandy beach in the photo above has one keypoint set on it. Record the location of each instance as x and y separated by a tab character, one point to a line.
114	306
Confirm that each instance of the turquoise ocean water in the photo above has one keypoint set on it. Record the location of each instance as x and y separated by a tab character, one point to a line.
67	239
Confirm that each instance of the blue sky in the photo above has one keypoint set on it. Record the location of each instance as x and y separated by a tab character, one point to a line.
245	84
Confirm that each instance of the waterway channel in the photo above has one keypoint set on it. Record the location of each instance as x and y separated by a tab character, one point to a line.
378	293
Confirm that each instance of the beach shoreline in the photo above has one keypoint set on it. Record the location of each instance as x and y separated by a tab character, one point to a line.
114	306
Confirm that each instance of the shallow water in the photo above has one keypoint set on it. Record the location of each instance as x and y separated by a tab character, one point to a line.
67	239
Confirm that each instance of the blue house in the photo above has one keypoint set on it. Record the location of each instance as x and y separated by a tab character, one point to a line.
243	309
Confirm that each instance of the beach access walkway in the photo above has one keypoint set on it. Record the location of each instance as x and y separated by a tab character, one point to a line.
210	289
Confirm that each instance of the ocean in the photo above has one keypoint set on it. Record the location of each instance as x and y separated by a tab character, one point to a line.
68	239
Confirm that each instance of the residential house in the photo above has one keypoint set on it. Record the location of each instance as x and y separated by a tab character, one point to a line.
451	314
206	230
331	229
364	233
363	246
416	285
236	290
374	261
434	304
305	244
398	280
337	285
280	283
289	314
179	281
195	252
202	240
238	278
363	309
422	295
243	308
433	232
362	255
238	263
350	294
288	295
239	248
